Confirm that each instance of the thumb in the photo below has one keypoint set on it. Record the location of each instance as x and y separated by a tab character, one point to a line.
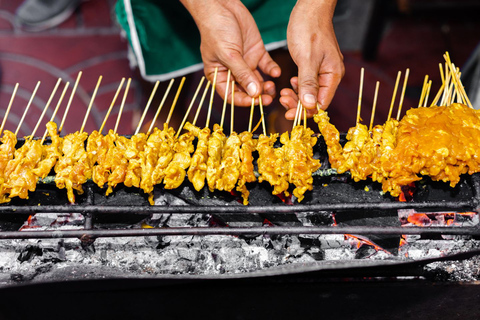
244	76
308	85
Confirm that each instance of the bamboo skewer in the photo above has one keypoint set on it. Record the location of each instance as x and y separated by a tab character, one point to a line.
111	105
407	72
45	109
251	115
437	97
27	108
160	106
90	104
399	74
211	98
139	125
261	115
299	104
69	101
374	107
175	100
458	83
122	105
232	107
201	102
304	118
424	89
441	72
56	109
190	107
360	91
427	93
225	99
9	107
445	87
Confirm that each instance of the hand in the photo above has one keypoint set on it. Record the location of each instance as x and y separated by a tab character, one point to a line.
313	46
230	40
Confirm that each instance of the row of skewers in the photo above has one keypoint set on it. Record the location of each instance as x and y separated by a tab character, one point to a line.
440	141
157	157
394	154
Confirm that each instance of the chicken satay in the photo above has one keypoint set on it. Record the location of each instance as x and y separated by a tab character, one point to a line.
216	143
271	164
230	165
246	166
197	171
176	170
135	146
165	153
73	169
51	153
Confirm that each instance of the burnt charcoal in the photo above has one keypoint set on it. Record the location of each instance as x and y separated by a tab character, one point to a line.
29	253
365	251
428	190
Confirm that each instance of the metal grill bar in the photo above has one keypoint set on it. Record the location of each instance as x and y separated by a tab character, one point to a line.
463	231
443	205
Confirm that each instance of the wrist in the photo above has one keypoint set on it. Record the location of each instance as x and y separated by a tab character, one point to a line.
324	8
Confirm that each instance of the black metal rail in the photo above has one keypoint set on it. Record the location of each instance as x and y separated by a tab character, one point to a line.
202	231
219	210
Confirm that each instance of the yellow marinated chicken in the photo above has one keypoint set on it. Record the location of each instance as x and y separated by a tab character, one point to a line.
176	170
149	159
7	150
246	173
331	137
271	164
135	146
198	166
165	153
51	153
230	165
298	151
216	144
73	169
118	163
19	178
104	153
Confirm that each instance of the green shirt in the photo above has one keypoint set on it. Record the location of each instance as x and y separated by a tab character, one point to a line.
166	42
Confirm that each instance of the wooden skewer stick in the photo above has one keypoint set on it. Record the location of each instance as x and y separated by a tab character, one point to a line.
160	106
445	87
407	72
424	89
45	109
225	99
56	109
127	87
27	108
232	106
190	107
251	115
69	102
305	118
439	93
175	100
201	102
296	114
374	107
458	82
111	105
427	93
399	74
139	126
360	91
9	107
90	104
440	66
211	98
261	115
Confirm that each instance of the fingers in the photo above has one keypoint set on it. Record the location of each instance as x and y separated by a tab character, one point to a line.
243	75
328	84
268	66
308	84
289	99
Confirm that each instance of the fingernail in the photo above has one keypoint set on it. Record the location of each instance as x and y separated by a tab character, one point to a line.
252	89
309	98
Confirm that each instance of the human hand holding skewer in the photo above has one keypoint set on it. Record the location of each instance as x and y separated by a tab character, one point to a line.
313	46
230	40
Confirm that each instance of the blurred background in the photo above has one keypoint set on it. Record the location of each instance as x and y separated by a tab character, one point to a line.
383	36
